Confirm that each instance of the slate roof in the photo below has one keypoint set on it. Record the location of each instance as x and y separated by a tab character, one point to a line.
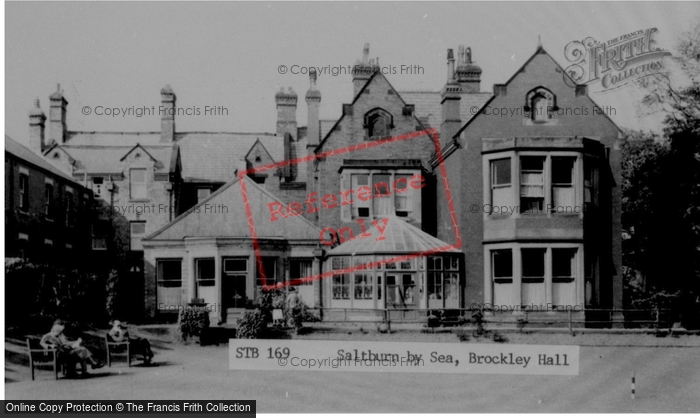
20	151
198	222
427	104
325	126
110	139
400	237
205	156
210	156
107	159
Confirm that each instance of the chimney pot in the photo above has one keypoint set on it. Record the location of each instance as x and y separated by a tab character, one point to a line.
167	120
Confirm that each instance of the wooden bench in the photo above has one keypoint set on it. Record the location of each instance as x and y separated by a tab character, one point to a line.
118	348
40	356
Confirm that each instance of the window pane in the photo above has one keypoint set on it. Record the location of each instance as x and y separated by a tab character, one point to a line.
205	269
360	185
169	273
138	228
451	284
301	269
137	183
532	163
382	198
235	265
403	195
138	175
500	172
562	170
434	286
563	262
269	265
533	263
502	263
454	263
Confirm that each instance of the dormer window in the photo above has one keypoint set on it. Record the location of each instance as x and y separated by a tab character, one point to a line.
540	103
378	123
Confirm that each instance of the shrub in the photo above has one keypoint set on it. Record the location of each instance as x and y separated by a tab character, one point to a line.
193	322
253	324
498	338
462	334
298	314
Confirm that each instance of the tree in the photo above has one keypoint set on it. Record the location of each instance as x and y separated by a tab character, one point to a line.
661	191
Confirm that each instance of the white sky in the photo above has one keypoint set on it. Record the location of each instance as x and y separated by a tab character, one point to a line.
227	54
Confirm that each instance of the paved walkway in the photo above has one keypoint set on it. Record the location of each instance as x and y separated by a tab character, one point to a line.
668	380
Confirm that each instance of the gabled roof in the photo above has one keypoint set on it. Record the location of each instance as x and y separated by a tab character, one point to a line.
56	147
540	51
258	144
400	237
20	151
223	215
134	148
357	97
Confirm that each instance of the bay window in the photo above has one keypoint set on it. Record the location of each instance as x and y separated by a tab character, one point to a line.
537	277
547	183
381	193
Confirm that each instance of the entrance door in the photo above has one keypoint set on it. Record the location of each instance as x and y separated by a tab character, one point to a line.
401	291
233	283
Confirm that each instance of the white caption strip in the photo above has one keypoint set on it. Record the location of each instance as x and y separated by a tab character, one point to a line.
354	356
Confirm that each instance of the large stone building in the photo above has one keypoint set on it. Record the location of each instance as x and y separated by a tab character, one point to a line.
316	201
538	193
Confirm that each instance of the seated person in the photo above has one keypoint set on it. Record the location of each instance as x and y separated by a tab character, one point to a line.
69	352
138	345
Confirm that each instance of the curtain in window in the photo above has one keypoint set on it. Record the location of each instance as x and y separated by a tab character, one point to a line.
382	198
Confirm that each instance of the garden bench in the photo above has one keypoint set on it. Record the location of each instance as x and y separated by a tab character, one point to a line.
40	356
118	348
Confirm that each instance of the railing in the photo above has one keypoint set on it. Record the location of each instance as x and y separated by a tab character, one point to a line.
652	319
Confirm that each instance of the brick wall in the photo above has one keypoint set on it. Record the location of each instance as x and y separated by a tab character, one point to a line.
466	173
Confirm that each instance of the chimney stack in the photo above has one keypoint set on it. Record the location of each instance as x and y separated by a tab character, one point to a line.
36	128
167	111
451	96
57	117
286	112
313	103
468	73
362	71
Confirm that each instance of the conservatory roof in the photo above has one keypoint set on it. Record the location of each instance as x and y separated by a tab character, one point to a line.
400	237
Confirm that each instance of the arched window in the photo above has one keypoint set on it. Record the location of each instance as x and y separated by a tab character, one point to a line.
539	109
540	103
378	123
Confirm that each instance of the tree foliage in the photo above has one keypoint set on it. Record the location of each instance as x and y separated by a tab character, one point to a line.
661	193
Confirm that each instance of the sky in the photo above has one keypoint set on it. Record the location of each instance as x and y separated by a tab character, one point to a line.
120	54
